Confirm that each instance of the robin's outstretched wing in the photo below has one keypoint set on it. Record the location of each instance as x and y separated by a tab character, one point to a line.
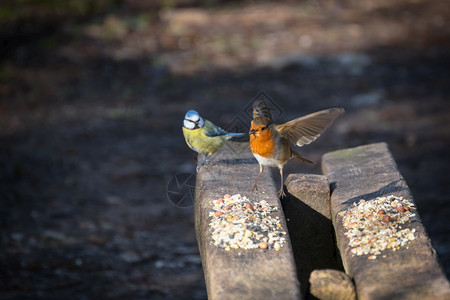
304	130
261	111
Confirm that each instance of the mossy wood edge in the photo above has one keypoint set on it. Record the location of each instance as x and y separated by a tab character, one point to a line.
412	272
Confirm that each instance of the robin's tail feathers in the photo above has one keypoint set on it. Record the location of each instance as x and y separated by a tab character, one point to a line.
300	157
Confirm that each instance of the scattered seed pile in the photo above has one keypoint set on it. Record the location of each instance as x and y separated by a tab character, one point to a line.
238	223
373	226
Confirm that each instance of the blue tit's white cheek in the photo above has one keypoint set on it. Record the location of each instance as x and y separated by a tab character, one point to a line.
188	124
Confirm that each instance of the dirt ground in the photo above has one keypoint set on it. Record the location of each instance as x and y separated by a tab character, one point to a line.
92	98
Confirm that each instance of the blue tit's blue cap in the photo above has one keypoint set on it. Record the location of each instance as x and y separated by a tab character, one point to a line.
192	115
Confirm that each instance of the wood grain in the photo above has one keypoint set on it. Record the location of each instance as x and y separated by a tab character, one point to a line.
238	273
412	272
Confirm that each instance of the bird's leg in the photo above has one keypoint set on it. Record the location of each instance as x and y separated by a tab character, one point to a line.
281	193
205	156
261	169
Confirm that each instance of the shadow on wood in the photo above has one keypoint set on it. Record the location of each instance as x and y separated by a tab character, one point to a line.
307	212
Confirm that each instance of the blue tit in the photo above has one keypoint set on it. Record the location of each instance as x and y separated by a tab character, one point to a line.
204	137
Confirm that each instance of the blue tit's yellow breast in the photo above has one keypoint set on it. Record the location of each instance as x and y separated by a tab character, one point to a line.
198	141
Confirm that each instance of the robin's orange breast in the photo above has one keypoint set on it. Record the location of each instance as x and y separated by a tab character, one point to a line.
262	143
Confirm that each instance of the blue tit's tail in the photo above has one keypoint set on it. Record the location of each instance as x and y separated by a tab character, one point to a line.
228	135
235	134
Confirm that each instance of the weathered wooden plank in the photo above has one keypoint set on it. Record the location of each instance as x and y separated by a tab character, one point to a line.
312	190
308	216
411	272
332	284
238	273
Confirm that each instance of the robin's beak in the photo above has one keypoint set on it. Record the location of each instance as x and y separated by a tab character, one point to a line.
252	131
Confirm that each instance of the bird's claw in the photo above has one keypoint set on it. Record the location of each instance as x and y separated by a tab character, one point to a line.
281	193
204	161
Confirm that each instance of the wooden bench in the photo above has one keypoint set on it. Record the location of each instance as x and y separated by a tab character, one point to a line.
238	273
411	272
314	225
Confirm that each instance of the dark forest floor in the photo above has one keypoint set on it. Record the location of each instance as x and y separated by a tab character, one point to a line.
92	102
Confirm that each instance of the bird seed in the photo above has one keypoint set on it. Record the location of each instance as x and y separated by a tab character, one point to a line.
238	223
375	225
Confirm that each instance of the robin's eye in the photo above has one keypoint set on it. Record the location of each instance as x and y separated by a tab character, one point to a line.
262	128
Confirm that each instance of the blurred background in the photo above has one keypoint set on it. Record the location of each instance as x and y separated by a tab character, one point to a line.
92	98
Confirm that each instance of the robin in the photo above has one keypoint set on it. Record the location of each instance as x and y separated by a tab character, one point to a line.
271	143
203	136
